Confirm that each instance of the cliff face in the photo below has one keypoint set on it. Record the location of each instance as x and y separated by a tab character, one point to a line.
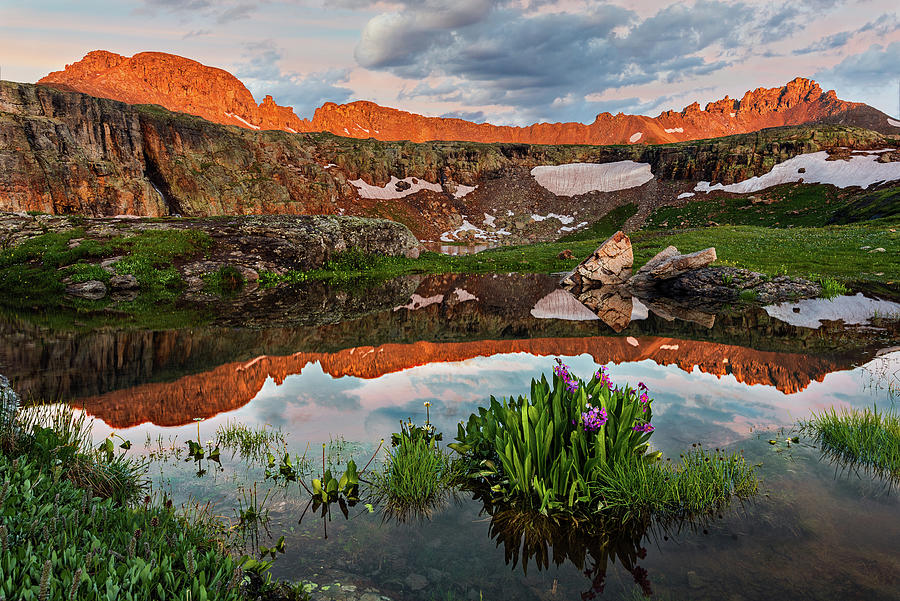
184	85
65	152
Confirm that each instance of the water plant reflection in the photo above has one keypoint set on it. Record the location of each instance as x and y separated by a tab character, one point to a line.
591	546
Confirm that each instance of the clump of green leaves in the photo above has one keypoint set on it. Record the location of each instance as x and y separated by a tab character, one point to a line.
417	476
832	287
227	279
858	437
548	451
581	448
248	442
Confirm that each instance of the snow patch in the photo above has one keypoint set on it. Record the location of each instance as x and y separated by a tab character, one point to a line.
580	178
639	310
675	130
463	190
330	165
290	129
852	310
733	114
893	122
242	120
685	195
572	228
862	171
390	191
463	295
477	232
489	220
632	341
346	131
564	219
668	347
418	302
635	137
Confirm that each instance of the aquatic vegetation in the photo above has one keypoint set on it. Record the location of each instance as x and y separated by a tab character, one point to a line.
249	442
866	438
225	280
417	476
701	483
582	449
549	451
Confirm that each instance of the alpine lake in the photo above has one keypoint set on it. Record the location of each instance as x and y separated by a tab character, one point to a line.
329	382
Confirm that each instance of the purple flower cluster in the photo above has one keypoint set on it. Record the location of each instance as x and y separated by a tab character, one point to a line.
562	370
593	418
604	377
647	427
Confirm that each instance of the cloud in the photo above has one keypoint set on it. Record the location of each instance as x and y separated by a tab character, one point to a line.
262	74
545	62
876	67
222	11
196	33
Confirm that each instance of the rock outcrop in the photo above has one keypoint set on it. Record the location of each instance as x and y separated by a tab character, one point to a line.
609	264
184	85
251	244
668	264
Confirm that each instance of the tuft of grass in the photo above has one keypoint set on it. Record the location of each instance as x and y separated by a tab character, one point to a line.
226	280
416	479
248	442
832	287
702	483
748	296
868	438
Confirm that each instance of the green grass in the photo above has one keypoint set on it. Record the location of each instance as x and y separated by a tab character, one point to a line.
805	205
417	478
604	227
248	442
702	483
853	437
832	251
832	288
224	281
73	525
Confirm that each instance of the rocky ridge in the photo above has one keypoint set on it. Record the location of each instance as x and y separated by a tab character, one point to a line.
184	85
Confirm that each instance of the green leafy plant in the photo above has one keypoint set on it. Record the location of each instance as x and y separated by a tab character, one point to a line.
548	452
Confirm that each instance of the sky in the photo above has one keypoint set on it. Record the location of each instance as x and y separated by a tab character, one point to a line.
502	61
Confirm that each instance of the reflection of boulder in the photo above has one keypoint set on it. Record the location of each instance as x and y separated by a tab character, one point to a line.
612	304
609	264
670	309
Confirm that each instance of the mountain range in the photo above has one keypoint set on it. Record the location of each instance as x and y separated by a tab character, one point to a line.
184	85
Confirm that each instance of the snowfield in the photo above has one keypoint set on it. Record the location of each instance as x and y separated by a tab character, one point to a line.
560	304
580	178
242	120
635	137
674	130
893	122
390	191
862	171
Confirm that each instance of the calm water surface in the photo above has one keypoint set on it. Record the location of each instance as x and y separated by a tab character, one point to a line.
816	533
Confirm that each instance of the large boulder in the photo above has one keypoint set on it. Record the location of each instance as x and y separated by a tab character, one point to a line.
669	264
609	264
90	290
612	304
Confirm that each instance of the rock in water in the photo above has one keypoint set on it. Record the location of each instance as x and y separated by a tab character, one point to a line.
90	290
609	264
669	264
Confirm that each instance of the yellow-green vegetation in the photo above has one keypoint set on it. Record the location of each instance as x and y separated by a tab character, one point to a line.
858	437
417	476
830	252
73	525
